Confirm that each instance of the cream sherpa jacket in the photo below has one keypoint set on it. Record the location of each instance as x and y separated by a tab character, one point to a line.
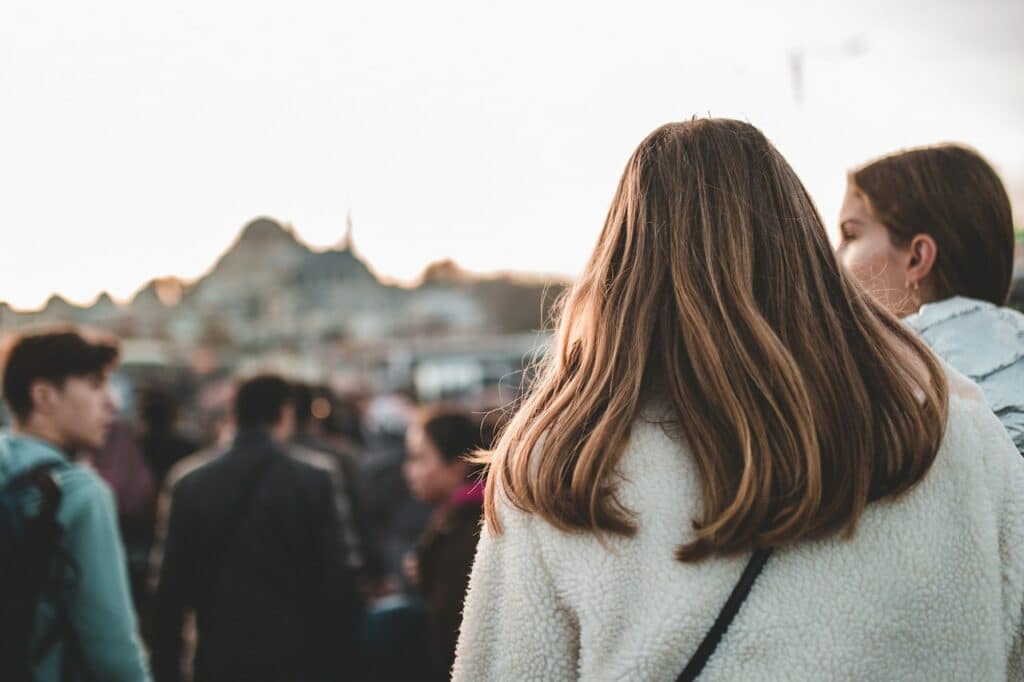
931	586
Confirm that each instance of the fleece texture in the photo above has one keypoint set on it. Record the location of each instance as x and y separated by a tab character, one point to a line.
930	587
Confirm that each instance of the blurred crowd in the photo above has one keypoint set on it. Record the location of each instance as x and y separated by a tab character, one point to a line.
405	493
716	348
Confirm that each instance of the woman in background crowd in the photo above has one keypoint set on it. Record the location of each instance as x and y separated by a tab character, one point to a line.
437	470
929	233
720	392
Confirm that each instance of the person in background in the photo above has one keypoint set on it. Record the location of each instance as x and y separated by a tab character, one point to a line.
221	427
161	443
396	618
722	400
396	518
344	424
255	549
120	464
56	385
929	232
438	444
312	407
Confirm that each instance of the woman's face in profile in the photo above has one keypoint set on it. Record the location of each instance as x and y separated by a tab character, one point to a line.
867	252
430	478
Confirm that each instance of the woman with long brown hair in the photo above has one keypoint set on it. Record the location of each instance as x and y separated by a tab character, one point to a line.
720	389
929	232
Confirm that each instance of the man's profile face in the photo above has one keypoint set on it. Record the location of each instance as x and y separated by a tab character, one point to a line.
83	410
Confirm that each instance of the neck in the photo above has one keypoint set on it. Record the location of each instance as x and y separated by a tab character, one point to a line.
274	434
42	431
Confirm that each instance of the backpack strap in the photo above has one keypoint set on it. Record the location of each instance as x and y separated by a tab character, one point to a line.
42	477
42	530
725	617
30	477
62	629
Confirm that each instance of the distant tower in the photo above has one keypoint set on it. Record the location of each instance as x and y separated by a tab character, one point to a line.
347	243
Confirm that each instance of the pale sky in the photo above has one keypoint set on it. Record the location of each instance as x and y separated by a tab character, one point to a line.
136	139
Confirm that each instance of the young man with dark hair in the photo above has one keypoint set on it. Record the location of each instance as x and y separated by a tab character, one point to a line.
56	387
254	548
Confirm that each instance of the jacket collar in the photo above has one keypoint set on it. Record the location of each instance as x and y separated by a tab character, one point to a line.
252	444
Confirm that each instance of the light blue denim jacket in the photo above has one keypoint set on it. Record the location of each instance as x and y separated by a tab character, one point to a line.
986	343
96	589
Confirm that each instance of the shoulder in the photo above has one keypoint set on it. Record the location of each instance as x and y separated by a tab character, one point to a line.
187	465
315	459
958	310
976	337
960	386
83	494
977	440
81	488
81	482
187	475
948	311
309	472
203	475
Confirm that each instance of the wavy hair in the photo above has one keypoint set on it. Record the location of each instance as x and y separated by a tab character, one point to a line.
713	286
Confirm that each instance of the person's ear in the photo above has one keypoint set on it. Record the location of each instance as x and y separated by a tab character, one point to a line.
921	256
44	396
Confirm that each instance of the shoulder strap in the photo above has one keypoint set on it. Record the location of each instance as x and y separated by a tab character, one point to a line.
725	617
32	476
42	545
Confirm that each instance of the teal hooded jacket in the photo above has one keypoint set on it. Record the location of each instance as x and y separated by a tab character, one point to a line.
95	582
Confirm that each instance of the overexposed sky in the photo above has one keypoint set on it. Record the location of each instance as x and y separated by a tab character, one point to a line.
136	139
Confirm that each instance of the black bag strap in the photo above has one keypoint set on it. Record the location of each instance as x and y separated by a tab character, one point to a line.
43	479
42	535
39	476
47	534
732	605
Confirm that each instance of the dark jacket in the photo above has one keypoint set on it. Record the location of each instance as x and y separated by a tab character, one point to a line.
395	518
265	572
366	551
445	556
162	450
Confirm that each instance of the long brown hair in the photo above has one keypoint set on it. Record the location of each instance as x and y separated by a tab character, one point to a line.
713	285
951	193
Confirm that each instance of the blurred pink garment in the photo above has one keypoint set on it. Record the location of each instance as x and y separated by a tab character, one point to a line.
121	465
470	493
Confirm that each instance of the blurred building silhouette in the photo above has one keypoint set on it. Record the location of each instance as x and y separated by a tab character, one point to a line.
273	302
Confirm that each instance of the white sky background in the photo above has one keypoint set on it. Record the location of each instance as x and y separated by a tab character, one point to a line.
136	139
